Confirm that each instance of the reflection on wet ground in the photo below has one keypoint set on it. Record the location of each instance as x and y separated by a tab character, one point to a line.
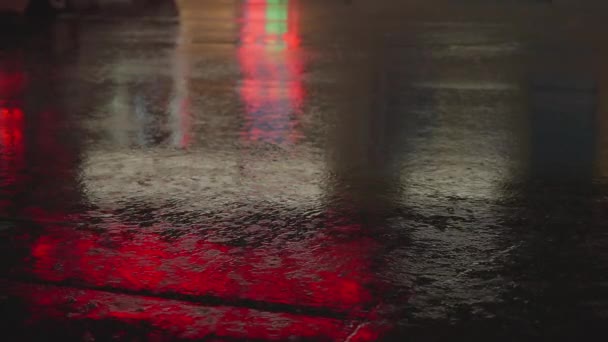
292	170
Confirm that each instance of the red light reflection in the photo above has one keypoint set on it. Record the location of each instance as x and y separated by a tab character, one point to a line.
11	135
187	320
12	149
303	274
271	87
12	83
319	288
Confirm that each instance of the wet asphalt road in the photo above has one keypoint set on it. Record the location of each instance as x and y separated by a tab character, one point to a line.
305	170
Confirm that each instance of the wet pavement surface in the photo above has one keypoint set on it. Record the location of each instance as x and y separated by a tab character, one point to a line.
275	170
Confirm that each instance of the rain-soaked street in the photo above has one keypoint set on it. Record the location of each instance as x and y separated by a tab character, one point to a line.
305	170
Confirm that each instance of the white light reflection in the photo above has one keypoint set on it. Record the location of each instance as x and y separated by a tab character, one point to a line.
203	164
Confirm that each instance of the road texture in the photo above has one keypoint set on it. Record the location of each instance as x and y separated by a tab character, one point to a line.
284	170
